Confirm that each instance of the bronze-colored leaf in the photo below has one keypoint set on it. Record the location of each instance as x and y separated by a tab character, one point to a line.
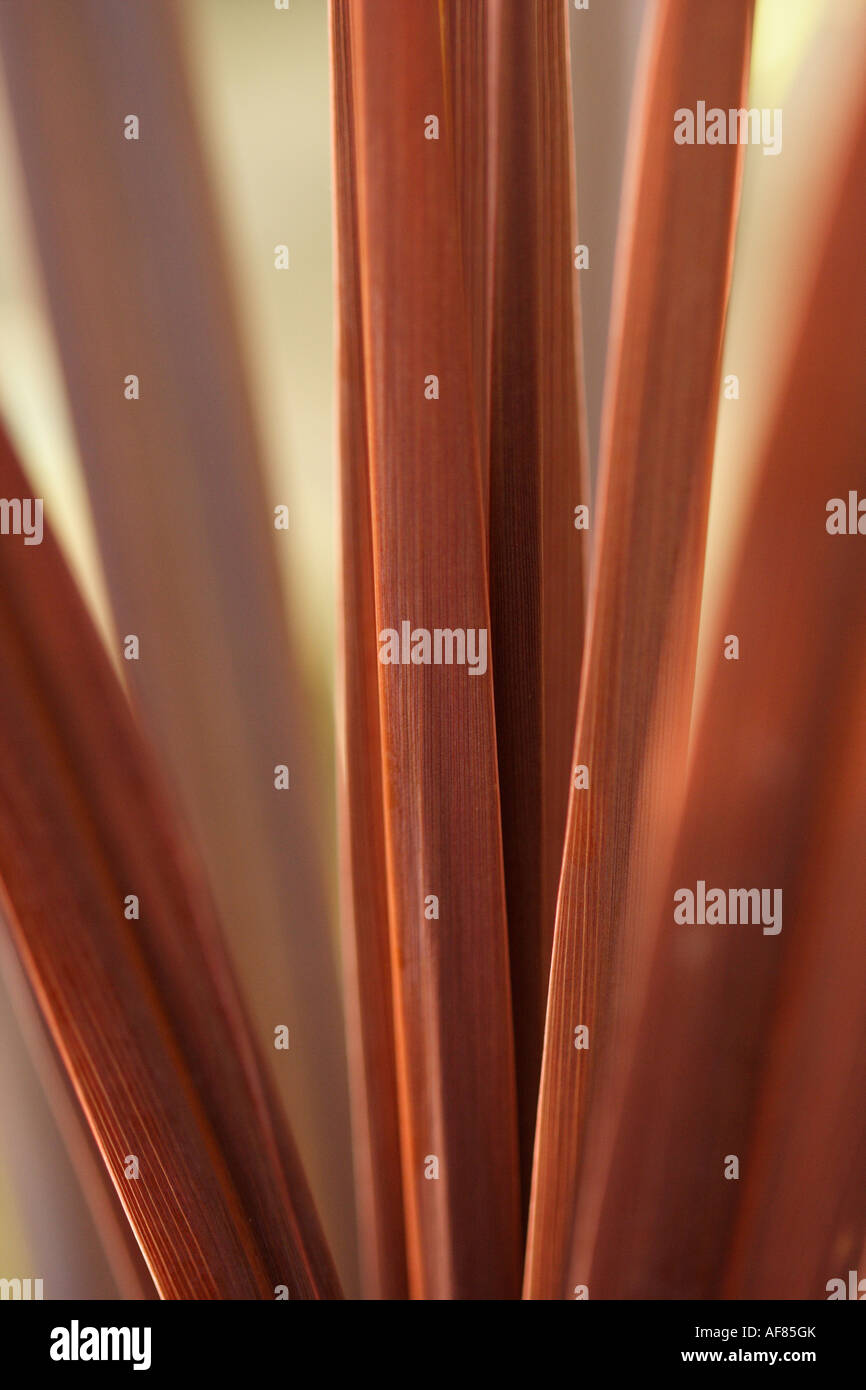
143	1012
453	1007
364	888
650	521
538	479
186	536
730	1007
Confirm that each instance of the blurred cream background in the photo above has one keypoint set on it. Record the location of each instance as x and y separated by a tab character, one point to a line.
808	58
260	81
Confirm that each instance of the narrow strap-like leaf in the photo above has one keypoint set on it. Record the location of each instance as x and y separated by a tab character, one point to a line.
538	482
445	874
143	1010
363	872
128	235
673	276
730	1007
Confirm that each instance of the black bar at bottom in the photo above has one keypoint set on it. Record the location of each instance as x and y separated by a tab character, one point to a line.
259	1340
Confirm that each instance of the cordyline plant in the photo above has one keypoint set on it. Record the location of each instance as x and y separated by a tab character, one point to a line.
553	1081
